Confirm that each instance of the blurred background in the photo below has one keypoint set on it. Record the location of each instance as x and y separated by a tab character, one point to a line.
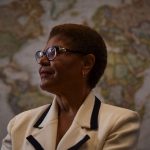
125	27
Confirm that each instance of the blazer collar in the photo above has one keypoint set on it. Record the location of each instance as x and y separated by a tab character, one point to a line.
87	115
49	115
85	120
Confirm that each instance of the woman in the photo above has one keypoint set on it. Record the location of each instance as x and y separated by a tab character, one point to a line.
71	64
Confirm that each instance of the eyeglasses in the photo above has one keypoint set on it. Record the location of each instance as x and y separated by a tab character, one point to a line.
52	52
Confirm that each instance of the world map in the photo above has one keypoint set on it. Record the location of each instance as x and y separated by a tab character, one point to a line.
125	27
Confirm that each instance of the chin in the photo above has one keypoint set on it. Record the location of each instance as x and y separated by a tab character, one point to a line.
48	87
45	86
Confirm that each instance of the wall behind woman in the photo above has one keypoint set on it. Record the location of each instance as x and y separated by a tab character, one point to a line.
125	26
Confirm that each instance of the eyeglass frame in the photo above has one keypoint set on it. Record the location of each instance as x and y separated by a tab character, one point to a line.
58	50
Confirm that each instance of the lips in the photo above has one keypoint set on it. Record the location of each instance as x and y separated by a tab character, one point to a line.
46	72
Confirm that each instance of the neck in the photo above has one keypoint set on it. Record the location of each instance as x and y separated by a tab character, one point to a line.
70	101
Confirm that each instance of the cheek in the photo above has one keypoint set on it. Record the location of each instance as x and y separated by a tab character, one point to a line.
68	69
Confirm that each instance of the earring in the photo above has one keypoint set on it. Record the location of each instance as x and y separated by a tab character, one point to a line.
83	74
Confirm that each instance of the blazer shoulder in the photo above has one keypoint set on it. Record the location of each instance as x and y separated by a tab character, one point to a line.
117	111
117	115
27	117
32	112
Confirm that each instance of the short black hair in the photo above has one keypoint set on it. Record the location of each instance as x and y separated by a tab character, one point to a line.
85	39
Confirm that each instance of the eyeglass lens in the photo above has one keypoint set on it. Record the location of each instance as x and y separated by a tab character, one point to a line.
50	53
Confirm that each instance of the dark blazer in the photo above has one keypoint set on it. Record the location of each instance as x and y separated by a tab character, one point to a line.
96	126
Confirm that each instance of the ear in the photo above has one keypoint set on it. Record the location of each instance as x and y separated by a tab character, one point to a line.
88	63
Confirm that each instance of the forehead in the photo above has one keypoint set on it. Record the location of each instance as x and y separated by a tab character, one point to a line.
59	41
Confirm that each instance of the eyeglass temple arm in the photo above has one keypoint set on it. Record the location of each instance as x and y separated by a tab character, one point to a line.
73	51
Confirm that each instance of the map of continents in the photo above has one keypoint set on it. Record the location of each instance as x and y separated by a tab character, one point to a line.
125	26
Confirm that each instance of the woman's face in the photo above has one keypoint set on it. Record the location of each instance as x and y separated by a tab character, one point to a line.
64	72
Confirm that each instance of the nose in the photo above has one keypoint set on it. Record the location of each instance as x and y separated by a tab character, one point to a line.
44	61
